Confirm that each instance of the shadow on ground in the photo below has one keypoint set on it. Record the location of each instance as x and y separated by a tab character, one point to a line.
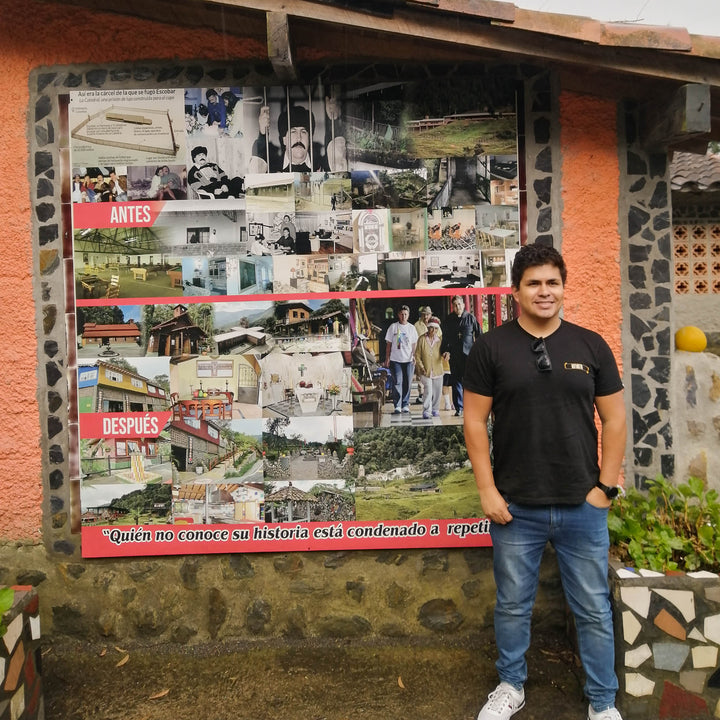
447	678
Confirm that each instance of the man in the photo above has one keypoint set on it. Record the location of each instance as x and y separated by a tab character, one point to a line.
460	330
173	183
298	151
209	180
400	342
543	378
216	109
118	187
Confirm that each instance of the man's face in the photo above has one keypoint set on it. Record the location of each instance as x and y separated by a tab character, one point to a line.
458	306
297	142
212	99
200	159
541	293
403	316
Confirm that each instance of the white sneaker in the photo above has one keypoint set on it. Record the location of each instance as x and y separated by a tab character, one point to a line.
609	714
503	702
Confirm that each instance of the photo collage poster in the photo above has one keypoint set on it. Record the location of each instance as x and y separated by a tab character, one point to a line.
240	258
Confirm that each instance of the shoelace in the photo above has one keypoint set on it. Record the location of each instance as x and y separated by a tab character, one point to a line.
500	700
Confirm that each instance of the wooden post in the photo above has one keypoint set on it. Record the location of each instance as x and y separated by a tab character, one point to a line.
279	52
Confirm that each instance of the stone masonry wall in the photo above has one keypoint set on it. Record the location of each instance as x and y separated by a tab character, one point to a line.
647	296
379	594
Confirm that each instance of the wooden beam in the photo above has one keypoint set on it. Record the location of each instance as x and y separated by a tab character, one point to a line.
683	118
279	52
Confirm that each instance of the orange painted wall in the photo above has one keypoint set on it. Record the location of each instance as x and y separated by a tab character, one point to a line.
590	234
35	34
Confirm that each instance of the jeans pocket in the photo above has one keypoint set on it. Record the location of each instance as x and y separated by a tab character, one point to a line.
601	508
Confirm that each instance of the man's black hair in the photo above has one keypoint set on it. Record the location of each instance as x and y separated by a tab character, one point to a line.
299	117
197	150
534	255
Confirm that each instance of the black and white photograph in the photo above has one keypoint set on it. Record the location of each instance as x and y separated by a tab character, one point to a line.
293	129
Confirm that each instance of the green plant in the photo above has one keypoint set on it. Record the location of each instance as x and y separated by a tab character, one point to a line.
7	595
668	527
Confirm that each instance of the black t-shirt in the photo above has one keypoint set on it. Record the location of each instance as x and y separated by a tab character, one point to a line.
544	434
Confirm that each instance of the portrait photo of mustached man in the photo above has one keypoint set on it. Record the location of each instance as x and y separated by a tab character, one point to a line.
298	129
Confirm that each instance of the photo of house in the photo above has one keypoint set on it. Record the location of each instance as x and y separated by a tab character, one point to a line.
107	386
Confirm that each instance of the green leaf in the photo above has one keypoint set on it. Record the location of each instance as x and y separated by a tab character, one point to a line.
697	486
7	595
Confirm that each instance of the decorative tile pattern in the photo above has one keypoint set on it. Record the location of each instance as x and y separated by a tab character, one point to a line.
668	624
635	658
638	685
670	656
631	626
671	629
648	261
20	682
696	255
683	600
705	656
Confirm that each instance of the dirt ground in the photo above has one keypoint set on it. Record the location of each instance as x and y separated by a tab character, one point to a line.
308	680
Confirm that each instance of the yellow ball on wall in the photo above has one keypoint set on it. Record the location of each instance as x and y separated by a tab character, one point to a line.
690	339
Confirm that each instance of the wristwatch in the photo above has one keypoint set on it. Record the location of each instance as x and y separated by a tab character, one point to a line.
610	492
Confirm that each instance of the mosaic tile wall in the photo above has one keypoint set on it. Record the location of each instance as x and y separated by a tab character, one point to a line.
647	300
541	133
49	151
20	682
696	249
667	644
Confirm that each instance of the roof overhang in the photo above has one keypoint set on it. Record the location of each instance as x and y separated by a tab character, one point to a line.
341	39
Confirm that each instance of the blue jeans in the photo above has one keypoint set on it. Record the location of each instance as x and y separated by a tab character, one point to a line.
402	375
579	535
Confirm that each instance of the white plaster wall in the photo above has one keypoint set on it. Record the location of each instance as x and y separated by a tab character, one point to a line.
696	407
702	311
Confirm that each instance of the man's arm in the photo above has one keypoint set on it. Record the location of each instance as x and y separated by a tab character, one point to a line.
476	413
613	435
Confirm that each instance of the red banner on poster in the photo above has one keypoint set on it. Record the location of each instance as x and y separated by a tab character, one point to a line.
142	540
116	214
123	425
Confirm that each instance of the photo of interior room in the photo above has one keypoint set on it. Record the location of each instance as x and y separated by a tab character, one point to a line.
301	384
249	275
188	228
408	230
324	232
452	229
398	271
300	273
450	269
204	276
498	226
223	387
123	263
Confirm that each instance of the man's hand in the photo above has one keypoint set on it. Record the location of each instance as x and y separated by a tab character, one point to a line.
494	506
264	119
332	108
597	498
